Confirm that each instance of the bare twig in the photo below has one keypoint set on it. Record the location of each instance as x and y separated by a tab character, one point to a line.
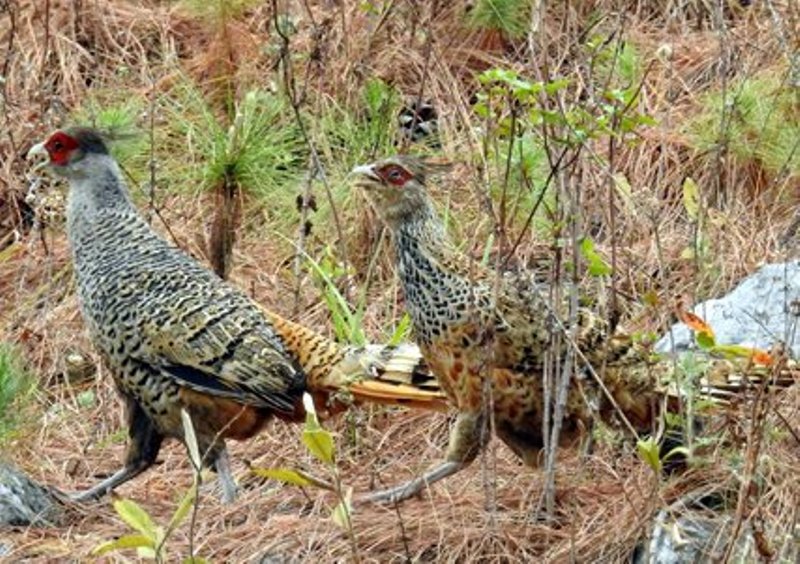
318	169
11	7
747	487
304	206
151	165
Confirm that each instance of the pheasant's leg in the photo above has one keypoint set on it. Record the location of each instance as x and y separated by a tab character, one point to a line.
142	452
222	466
467	438
215	456
413	487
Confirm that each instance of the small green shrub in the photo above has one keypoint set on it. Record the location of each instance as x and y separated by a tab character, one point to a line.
614	64
348	322
148	538
346	137
16	387
118	118
320	443
262	149
757	118
509	17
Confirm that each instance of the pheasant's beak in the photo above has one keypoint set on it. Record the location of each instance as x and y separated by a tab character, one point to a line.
366	172
38	151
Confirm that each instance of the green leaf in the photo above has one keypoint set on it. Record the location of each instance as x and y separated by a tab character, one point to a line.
401	331
285	475
184	508
648	451
123	542
526	91
320	443
348	320
505	76
481	109
732	351
691	198
191	439
317	440
342	512
556	85
195	560
705	340
295	477
147	553
648	120
136	517
595	263
553	117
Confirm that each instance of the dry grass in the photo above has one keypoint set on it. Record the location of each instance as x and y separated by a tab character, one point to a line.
604	501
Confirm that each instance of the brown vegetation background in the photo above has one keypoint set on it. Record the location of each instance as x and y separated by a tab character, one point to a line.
61	60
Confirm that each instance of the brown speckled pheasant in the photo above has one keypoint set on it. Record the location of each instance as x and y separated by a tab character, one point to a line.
177	337
472	325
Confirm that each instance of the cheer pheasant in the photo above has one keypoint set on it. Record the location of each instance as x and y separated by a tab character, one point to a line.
473	326
177	337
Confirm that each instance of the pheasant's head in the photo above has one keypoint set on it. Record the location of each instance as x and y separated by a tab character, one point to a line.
70	152
396	187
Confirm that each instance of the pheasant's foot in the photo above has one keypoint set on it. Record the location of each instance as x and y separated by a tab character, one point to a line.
411	488
103	488
223	467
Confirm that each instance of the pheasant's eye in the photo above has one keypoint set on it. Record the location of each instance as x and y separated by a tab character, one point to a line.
58	146
395	174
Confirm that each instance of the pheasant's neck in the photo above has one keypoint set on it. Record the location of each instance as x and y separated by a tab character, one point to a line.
96	192
421	238
435	295
106	233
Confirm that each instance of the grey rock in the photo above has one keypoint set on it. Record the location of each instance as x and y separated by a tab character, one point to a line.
681	535
762	310
23	502
678	540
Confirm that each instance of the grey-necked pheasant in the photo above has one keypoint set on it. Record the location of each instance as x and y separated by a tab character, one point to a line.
177	337
472	325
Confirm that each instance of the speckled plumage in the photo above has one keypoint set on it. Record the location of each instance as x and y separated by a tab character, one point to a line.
476	326
464	325
472	325
156	314
176	337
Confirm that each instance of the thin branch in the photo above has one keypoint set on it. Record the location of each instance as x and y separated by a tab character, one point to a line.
304	207
12	35
291	94
152	158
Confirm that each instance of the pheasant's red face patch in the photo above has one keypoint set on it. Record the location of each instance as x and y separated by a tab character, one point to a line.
394	174
60	146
